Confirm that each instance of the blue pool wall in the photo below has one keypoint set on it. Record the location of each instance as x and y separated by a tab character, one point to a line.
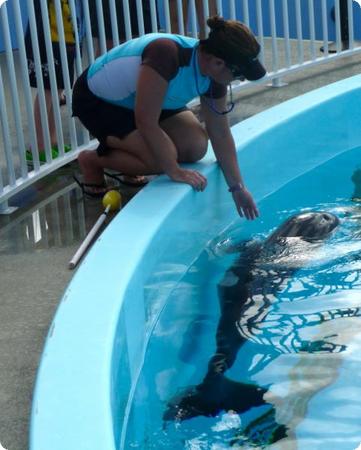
96	344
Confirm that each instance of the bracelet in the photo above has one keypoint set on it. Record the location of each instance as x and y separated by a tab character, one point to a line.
236	187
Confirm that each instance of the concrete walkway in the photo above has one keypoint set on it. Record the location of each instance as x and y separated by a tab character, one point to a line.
38	240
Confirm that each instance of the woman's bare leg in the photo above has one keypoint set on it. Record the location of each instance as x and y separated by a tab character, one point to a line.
132	156
173	10
212	6
202	20
38	123
51	119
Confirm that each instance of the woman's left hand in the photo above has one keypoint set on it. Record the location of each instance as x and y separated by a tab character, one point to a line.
245	204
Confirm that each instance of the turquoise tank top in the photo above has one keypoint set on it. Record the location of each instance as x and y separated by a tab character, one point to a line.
113	76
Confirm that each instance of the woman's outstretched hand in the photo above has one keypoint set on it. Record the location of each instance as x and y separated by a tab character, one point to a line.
192	177
245	204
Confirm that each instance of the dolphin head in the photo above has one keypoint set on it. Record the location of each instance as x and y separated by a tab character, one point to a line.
310	226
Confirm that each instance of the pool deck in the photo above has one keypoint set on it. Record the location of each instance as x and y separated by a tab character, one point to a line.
38	240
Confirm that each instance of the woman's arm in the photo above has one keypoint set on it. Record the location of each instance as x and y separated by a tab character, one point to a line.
151	90
224	148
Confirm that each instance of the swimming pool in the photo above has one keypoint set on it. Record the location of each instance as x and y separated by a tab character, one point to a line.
92	368
301	334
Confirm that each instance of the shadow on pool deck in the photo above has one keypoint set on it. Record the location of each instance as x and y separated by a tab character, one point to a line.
39	239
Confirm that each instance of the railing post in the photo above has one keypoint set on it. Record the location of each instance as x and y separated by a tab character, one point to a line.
277	82
6	209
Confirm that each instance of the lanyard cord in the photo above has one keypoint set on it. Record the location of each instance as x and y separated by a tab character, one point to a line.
194	64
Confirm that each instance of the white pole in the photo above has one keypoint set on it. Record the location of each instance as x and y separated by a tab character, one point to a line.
90	236
168	27
260	28
286	28
299	32
153	14
311	14
246	12
232	9
350	23
324	28
275	65
193	14
140	18
126	12
338	26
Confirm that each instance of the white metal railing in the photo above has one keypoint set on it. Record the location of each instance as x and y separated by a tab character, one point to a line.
280	28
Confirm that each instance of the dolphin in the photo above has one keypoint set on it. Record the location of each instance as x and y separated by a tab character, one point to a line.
253	276
309	226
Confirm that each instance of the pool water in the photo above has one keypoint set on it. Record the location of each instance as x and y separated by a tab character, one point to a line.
295	378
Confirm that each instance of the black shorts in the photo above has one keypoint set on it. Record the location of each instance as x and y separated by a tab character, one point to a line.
70	53
120	19
103	119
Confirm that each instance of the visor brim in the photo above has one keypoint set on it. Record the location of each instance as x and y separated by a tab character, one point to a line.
253	70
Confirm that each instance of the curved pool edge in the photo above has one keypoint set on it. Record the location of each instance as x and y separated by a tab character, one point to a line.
74	401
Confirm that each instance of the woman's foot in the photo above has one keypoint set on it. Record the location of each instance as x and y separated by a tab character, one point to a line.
136	180
129	180
91	189
93	175
93	172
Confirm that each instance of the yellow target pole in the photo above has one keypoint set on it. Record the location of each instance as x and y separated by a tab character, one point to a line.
111	202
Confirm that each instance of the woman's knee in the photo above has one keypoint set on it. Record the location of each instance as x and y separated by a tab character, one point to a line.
195	148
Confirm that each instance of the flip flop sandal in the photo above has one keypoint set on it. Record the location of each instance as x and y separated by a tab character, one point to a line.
120	178
89	193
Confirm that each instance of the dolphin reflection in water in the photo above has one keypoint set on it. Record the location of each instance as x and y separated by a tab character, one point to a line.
246	294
